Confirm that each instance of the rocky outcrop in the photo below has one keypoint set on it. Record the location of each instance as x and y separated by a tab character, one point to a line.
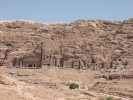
96	44
119	76
128	21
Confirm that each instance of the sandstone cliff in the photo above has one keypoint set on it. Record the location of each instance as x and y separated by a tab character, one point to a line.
84	44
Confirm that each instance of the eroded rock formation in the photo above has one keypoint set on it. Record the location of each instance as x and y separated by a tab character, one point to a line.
81	44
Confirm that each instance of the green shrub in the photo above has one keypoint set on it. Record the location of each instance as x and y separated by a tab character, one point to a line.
109	98
73	86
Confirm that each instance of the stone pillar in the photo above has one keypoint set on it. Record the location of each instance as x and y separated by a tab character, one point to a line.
21	63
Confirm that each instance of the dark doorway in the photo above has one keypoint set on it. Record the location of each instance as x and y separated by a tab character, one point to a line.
93	61
48	64
30	65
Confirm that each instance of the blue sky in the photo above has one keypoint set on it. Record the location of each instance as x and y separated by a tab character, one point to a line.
49	11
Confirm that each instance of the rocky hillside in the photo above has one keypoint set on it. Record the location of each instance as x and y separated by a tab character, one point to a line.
99	43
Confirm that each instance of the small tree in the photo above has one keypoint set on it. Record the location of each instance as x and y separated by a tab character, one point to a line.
73	86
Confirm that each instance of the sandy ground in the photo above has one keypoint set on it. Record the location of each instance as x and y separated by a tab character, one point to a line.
50	83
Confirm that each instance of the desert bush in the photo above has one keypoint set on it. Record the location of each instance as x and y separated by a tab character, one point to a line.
73	86
107	98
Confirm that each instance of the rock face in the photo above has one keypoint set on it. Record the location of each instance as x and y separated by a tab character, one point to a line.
81	44
119	76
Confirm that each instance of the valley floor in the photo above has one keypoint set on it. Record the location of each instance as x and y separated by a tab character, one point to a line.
51	83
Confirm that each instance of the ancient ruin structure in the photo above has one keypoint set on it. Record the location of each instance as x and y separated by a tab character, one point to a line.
65	61
31	60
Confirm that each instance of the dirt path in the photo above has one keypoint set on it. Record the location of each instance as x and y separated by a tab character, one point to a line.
117	97
19	88
102	94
